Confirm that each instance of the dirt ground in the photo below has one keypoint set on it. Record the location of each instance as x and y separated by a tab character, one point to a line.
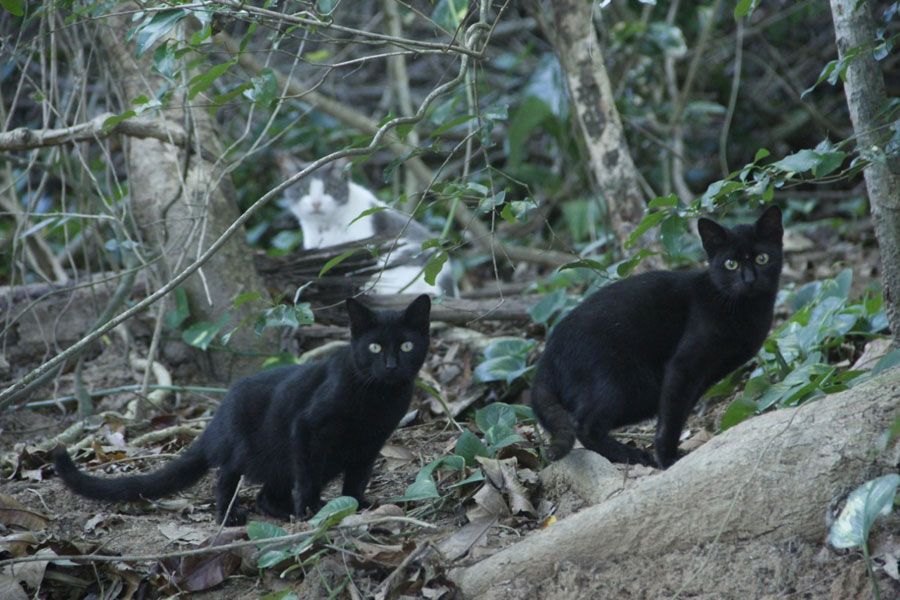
396	550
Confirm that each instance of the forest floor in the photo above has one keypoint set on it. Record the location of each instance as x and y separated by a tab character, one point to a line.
397	549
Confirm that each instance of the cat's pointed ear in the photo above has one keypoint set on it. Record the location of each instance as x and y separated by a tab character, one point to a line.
713	235
362	318
418	312
769	225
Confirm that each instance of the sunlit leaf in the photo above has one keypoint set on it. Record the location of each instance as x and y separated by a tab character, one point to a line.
863	506
200	335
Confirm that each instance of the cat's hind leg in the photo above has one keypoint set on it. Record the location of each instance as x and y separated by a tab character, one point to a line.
593	432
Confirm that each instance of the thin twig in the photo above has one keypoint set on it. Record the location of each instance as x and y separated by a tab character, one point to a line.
269	542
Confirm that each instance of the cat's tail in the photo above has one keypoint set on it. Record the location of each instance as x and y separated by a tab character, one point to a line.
554	417
177	475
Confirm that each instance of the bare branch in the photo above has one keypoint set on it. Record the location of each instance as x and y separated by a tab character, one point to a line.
24	138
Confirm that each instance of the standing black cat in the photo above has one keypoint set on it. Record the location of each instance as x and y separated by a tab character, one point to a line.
653	343
295	428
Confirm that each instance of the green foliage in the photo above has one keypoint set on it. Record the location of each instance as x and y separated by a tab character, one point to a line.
796	362
506	360
15	7
202	334
328	516
497	423
868	501
424	487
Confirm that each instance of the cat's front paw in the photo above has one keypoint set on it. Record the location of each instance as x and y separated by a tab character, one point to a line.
236	517
306	509
666	459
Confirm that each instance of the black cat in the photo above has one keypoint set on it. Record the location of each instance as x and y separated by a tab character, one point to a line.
295	428
653	343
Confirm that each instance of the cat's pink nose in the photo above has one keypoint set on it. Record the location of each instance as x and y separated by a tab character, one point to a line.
316	204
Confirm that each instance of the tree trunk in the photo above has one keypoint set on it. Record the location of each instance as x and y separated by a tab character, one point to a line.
181	201
592	98
866	98
769	480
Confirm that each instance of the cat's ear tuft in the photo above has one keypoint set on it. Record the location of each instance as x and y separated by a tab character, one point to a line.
418	312
769	224
713	235
362	318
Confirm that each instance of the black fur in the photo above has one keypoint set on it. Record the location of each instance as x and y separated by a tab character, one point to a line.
653	343
295	428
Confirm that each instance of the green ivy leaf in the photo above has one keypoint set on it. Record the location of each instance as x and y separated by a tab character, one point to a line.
177	315
549	305
16	7
469	445
627	266
156	27
200	335
258	530
204	80
509	347
739	409
264	88
863	506
113	121
743	8
434	265
828	162
495	414
799	162
646	223
424	488
334	512
339	259
242	299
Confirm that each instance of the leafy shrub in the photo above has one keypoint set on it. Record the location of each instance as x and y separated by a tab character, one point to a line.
506	360
796	361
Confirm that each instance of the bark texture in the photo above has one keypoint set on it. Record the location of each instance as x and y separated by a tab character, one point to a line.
181	201
592	98
771	479
866	99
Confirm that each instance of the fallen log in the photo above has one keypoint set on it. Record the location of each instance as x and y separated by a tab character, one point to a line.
770	480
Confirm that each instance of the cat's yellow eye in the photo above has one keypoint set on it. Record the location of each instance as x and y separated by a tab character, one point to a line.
731	264
374	348
406	346
762	258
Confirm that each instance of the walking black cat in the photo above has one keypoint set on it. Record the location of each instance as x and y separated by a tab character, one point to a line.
652	344
295	428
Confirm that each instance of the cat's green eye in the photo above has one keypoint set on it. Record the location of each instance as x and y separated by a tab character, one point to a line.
374	348
762	258
406	346
731	264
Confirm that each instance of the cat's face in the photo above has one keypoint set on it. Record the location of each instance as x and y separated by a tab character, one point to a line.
389	346
318	196
745	261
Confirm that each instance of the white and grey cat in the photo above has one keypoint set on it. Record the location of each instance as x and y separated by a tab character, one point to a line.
327	207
